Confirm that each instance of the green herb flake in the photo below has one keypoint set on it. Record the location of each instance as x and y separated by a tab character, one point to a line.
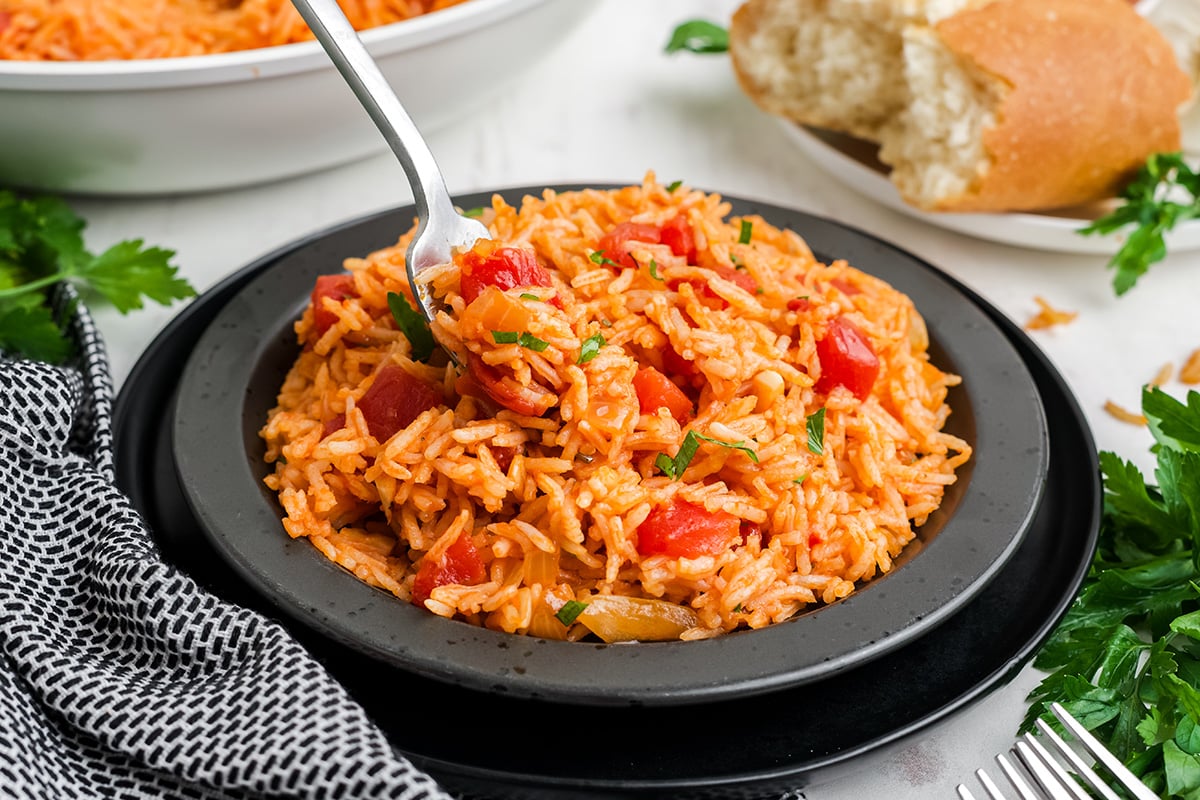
570	611
654	270
674	468
598	257
698	36
41	244
1164	193
801	479
590	348
738	609
815	425
529	296
414	326
531	342
506	337
746	232
474	213
673	186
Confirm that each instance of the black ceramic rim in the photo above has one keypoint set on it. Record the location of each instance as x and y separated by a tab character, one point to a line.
236	367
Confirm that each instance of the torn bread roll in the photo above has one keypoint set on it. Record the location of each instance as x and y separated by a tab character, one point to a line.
977	105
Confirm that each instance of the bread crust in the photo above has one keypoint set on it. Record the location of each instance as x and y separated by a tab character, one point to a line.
1093	90
1086	89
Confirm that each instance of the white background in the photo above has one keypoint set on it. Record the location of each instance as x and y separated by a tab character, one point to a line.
606	106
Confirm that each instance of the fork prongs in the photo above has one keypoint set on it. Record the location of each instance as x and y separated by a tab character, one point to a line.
1049	774
1098	751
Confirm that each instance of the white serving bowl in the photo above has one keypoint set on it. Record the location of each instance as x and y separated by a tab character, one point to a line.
199	123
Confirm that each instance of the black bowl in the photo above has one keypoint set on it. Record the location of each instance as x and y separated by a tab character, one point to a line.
237	365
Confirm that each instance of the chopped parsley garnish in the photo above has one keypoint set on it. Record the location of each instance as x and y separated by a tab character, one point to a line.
412	325
815	425
529	296
673	468
598	257
738	609
474	212
801	479
746	232
526	340
654	270
1150	203
570	612
590	348
674	185
698	36
531	342
41	244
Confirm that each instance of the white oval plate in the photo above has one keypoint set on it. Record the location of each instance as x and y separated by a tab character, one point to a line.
853	162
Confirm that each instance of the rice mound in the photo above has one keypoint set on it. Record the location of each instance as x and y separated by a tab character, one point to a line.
552	504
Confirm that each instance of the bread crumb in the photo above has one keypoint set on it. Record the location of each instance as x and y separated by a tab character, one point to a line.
1048	316
1123	415
1189	373
1163	375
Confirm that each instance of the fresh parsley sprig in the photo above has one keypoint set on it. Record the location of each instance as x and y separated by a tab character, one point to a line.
1165	192
41	244
1125	659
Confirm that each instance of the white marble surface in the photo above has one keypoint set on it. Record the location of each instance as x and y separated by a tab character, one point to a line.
606	106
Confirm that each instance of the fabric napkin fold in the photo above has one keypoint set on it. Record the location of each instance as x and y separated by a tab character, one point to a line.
121	677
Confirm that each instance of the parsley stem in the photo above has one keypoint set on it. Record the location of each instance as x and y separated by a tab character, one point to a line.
30	286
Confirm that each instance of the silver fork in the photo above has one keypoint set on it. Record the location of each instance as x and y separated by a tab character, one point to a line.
1039	775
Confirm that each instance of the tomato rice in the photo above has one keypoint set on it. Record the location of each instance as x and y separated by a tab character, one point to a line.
670	424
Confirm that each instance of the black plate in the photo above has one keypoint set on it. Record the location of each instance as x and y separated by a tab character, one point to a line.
235	370
746	748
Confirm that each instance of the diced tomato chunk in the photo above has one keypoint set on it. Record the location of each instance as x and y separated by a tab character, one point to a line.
677	365
677	234
395	399
737	276
532	400
845	287
613	244
333	424
488	264
814	540
336	287
799	304
655	391
847	359
684	530
459	563
746	529
5	20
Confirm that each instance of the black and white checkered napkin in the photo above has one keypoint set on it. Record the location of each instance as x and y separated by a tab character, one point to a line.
119	676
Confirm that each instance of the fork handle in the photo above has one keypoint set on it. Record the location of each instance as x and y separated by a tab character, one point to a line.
358	68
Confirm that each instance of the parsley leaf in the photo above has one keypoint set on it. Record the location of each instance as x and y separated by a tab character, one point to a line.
674	468
590	348
526	340
673	185
598	257
570	611
1165	192
698	36
654	270
414	326
814	424
746	232
41	244
1126	657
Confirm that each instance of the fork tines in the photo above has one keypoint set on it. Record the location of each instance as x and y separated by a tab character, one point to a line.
1056	781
